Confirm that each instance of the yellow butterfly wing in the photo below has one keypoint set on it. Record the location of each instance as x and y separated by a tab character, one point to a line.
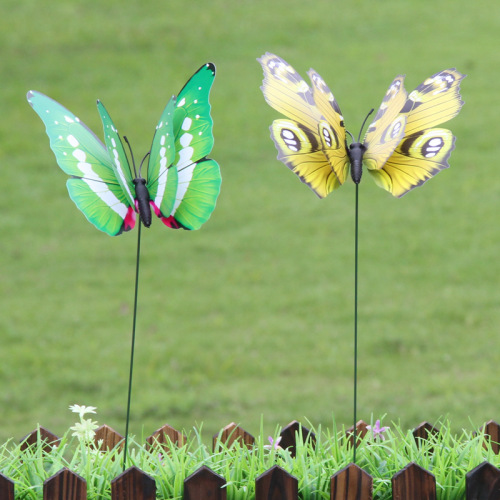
311	142
424	151
387	128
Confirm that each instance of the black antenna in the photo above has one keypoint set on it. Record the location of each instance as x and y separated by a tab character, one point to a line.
352	137
131	154
364	123
140	166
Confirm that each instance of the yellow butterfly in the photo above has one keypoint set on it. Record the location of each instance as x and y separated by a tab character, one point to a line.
401	150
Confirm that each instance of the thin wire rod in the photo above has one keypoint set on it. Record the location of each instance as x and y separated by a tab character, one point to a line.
132	348
355	410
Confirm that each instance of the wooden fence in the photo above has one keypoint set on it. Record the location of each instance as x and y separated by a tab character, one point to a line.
351	483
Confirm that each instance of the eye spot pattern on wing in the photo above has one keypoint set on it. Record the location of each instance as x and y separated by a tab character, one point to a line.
432	147
328	135
394	130
290	140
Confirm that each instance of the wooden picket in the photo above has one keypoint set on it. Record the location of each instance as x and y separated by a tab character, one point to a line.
351	483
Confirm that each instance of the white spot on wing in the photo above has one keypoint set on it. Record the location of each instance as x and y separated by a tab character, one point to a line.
73	141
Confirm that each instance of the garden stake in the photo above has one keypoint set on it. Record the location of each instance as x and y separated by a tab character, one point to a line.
400	149
355	396
132	347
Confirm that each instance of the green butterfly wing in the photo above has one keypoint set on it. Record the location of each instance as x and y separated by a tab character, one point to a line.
117	153
162	176
199	178
93	185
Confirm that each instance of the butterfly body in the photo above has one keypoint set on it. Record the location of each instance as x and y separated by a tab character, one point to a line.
143	200
181	184
401	150
355	152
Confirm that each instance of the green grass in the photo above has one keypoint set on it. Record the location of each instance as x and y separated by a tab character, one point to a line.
449	457
251	315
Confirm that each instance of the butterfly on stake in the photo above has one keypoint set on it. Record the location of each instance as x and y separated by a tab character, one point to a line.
401	149
181	185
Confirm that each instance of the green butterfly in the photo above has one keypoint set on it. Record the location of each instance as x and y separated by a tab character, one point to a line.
181	185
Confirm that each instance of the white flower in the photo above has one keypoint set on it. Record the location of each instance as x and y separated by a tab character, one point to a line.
82	410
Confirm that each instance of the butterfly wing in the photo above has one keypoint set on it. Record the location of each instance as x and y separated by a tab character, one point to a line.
199	178
311	142
162	176
117	153
424	151
387	128
93	186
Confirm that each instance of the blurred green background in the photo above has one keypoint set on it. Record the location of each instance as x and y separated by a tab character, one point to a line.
252	315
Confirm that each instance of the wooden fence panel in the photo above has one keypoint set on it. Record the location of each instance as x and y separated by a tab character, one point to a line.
276	484
290	433
424	431
64	484
492	429
483	483
6	488
204	484
165	436
232	433
413	483
133	484
109	438
351	483
361	432
46	436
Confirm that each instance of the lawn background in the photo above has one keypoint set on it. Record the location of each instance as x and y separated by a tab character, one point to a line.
251	315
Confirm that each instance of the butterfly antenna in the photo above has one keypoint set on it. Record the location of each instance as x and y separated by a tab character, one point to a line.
143	160
364	123
131	155
352	137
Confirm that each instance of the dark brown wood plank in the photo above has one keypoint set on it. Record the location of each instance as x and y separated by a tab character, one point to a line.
351	483
64	484
109	437
133	484
276	484
413	483
424	431
492	432
6	488
204	484
232	433
483	483
361	432
291	432
166	436
46	437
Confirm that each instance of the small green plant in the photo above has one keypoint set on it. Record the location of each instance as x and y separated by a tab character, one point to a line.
382	453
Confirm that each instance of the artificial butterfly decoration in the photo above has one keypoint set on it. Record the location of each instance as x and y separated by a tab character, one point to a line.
181	185
401	150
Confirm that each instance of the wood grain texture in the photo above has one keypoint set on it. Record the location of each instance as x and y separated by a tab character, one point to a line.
204	484
108	437
292	432
413	483
6	488
230	434
166	436
133	484
276	484
483	483
351	483
66	485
